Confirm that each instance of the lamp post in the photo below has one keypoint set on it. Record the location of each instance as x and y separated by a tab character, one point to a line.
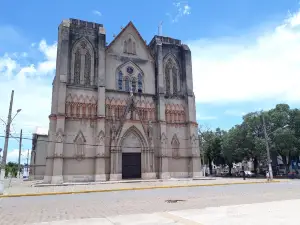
267	146
7	132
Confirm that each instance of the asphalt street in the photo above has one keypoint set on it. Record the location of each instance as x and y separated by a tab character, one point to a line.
27	210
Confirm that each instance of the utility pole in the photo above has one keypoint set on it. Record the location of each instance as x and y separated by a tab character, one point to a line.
267	147
19	160
7	131
28	161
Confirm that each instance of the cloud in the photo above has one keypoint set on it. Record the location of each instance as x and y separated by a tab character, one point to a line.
181	8
233	112
97	13
202	116
13	156
186	10
206	118
259	65
31	81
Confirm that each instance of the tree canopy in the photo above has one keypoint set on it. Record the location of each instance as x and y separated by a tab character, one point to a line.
246	141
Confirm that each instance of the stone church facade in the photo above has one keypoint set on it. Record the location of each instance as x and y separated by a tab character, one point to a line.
122	110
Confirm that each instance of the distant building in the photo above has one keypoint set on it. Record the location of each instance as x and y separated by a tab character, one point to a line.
38	154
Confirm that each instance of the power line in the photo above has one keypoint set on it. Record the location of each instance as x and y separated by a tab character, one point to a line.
74	135
92	145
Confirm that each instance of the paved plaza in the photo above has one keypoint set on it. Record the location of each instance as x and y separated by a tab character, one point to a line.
273	213
19	187
217	205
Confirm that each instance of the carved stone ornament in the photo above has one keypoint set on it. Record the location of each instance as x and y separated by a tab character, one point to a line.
79	143
59	136
83	44
175	146
84	32
163	138
113	128
193	140
150	130
100	154
65	33
175	153
101	137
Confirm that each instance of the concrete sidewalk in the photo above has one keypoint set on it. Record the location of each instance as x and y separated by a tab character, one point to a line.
29	188
275	213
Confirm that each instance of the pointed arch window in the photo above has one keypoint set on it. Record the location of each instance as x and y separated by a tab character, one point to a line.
125	47
133	85
87	69
175	147
127	84
82	72
120	80
174	74
167	75
172	78
140	83
133	48
79	146
77	67
129	50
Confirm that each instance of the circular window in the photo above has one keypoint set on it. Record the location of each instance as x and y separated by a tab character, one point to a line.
130	70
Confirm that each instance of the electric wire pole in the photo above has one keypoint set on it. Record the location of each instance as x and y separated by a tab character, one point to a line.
27	163
7	131
19	160
267	147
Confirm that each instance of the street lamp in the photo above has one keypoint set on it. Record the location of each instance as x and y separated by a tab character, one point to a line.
19	110
267	145
7	132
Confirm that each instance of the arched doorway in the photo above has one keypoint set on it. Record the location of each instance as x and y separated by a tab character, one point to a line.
132	146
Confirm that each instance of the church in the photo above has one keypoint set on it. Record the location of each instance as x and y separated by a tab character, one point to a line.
124	110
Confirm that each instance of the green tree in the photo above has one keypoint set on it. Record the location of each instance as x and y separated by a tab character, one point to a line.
210	144
252	145
231	147
205	141
285	135
11	168
285	144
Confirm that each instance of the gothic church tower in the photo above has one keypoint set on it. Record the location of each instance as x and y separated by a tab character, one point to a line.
120	111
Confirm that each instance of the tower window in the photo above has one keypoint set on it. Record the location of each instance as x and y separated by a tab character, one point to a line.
140	83
133	85
120	80
126	84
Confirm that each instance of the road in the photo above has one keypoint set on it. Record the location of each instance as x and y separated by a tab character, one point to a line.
28	210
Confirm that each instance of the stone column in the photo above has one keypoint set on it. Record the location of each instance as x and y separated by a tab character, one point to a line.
57	176
163	161
62	66
50	149
116	162
196	159
195	167
149	172
100	169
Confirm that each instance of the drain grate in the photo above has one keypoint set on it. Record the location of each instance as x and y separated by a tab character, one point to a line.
174	201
